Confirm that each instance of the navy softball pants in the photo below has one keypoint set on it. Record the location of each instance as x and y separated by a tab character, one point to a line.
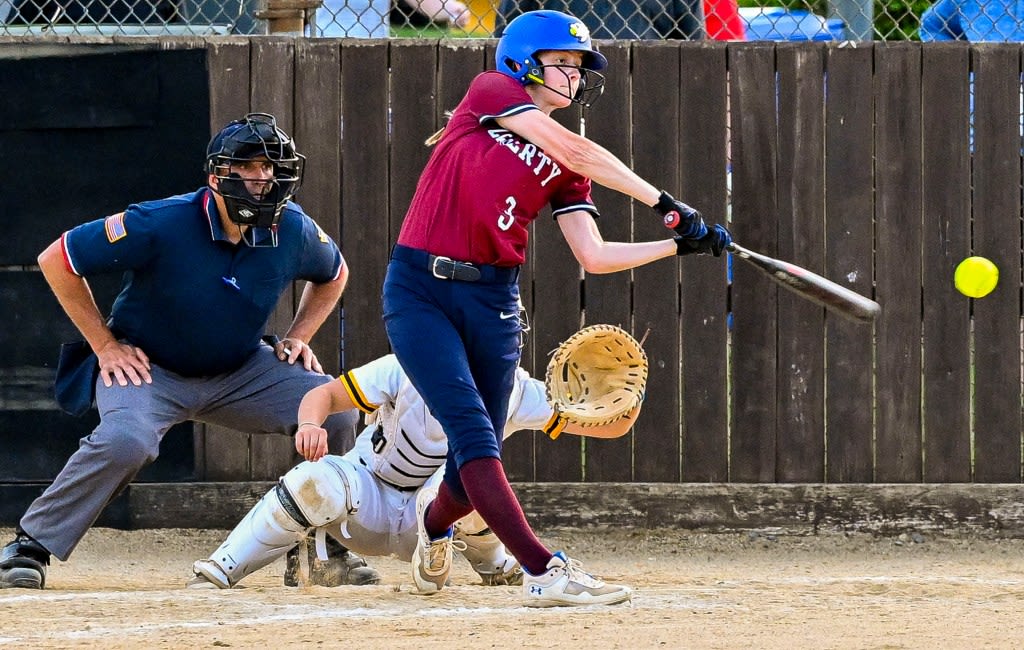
459	343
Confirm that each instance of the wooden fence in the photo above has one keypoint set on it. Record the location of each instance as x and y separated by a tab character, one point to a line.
856	161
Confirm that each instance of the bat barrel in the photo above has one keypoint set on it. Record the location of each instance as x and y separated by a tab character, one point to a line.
812	286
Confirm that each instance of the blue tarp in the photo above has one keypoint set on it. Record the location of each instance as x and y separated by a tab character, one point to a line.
780	24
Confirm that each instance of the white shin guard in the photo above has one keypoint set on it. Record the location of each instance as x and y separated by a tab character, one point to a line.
317	494
266	533
484	551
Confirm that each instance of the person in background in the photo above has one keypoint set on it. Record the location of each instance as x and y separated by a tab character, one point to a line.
723	22
619	19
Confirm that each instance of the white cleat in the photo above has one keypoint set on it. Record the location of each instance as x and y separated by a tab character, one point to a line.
565	583
432	558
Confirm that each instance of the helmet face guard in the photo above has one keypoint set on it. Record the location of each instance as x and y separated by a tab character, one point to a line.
255	137
539	31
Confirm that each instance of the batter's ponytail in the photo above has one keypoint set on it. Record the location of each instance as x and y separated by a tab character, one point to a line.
432	140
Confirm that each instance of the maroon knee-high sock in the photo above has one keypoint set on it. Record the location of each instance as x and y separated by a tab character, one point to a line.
444	511
487	487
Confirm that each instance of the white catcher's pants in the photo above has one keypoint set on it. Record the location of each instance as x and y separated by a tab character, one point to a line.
342	496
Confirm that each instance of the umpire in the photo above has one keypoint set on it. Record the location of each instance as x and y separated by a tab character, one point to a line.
202	274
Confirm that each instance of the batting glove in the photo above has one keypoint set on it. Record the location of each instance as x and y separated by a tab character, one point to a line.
681	218
713	243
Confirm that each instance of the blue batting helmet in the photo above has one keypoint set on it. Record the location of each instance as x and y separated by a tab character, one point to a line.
537	31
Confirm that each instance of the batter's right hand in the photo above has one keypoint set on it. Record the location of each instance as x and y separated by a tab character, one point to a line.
311	441
123	362
677	216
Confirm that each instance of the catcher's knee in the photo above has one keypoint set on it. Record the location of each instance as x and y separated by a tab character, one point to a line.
318	493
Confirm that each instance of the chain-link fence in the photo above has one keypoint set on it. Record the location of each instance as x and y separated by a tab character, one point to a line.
818	20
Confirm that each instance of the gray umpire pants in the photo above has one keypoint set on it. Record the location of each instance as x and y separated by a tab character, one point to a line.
260	397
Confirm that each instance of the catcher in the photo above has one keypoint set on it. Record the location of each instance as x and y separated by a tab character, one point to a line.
367	498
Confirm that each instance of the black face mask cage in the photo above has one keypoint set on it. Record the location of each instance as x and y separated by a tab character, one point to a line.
258	212
253	138
247	209
591	83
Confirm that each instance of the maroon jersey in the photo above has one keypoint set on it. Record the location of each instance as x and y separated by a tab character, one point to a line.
483	184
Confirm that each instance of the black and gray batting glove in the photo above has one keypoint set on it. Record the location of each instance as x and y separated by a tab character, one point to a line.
713	243
684	220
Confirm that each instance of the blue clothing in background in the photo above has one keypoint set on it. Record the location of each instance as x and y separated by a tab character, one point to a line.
974	20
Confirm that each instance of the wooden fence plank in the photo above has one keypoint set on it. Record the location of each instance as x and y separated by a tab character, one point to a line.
657	436
897	90
849	247
225	452
365	227
703	112
458	63
606	296
318	136
413	119
996	213
800	364
752	96
228	63
272	85
946	232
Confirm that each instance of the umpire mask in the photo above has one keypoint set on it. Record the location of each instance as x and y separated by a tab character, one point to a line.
255	137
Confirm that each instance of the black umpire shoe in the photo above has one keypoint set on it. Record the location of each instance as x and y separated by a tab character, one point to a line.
23	563
342	566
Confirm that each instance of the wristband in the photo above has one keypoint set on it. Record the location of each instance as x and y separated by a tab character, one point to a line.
302	424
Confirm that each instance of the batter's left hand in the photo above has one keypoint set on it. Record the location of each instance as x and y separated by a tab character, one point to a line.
291	350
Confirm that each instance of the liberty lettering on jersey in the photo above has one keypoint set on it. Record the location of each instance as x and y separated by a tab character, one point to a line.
538	161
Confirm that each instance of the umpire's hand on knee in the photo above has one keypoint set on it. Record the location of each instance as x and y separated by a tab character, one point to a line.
291	349
123	362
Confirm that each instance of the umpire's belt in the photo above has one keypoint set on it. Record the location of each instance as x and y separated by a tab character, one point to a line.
445	268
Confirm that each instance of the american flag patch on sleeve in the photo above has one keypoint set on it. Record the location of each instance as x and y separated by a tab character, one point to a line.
114	225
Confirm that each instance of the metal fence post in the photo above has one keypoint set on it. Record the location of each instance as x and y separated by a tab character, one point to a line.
857	15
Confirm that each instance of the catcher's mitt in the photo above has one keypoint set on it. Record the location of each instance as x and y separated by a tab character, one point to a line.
596	376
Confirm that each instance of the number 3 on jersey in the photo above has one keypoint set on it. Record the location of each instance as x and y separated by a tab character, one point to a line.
506	218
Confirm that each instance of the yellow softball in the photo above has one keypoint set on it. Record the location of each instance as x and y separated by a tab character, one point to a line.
976	277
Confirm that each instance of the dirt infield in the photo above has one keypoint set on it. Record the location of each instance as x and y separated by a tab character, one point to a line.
124	589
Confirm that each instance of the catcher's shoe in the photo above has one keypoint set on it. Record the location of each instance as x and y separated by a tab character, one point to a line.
342	567
565	583
486	554
208	574
23	563
432	558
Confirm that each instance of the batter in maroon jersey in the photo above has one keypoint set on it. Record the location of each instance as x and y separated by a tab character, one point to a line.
505	182
451	299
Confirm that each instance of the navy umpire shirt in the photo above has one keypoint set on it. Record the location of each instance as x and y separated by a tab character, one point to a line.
193	301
